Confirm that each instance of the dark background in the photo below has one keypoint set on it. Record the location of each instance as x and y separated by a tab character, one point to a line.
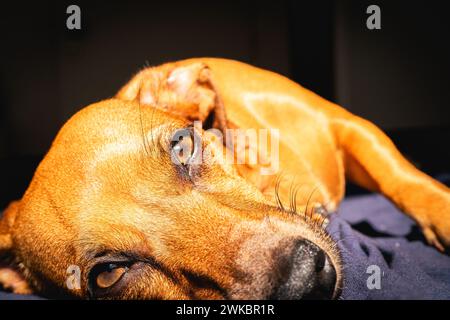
397	77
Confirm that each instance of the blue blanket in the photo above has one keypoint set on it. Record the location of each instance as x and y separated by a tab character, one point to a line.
370	232
375	239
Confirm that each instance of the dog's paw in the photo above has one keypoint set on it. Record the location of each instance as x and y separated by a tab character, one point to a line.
438	234
433	239
12	280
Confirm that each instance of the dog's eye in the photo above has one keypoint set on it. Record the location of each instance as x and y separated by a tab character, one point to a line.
104	277
183	147
110	276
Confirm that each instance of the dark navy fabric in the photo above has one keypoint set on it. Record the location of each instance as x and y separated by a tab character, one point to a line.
10	296
369	231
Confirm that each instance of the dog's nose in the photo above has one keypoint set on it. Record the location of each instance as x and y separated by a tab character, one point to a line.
311	274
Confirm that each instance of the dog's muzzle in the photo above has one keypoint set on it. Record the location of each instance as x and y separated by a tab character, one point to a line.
309	274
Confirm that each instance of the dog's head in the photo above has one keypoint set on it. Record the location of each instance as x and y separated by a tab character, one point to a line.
134	202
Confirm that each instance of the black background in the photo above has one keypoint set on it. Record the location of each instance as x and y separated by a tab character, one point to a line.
397	77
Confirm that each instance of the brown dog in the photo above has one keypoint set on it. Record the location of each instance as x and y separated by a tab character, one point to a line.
120	201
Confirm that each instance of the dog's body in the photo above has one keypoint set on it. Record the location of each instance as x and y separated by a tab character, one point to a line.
107	190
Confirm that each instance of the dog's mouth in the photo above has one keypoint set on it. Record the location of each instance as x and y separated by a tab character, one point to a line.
288	260
308	273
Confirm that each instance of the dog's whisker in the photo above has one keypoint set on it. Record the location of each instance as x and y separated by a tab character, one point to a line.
291	196
295	197
277	195
307	204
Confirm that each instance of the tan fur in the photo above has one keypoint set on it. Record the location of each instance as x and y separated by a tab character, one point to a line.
108	184
321	142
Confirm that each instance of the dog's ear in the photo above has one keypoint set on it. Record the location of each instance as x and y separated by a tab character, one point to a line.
6	223
11	278
186	90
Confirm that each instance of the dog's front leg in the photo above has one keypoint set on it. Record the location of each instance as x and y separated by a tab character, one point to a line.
372	161
11	278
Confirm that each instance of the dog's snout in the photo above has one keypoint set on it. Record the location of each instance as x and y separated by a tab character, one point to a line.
311	274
